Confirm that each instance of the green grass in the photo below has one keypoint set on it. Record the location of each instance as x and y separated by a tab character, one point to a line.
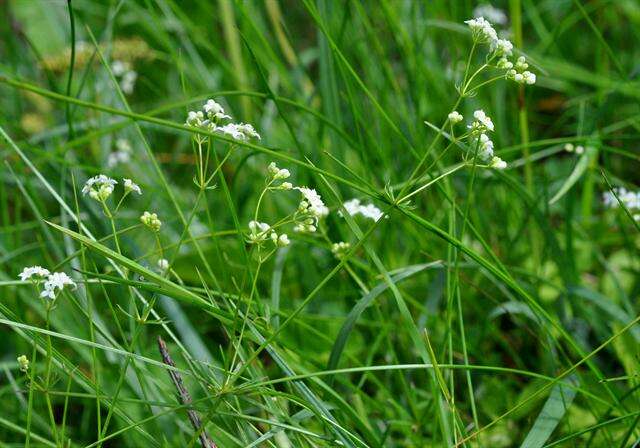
488	308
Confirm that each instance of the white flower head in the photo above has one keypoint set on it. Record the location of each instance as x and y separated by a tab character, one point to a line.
117	157
354	207
314	202
130	185
482	30
128	82
569	147
163	264
55	283
278	173
99	187
505	64
122	144
455	117
579	149
340	249
528	77
151	220
485	148
23	363
283	240
483	122
214	111
258	232
498	163
239	131
502	47
31	271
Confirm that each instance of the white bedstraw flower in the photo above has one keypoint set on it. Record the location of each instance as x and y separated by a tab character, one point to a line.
569	147
340	249
128	82
455	117
579	149
55	283
286	186
163	264
122	144
23	363
283	240
99	187
482	123
485	147
630	199
354	207
130	185
31	271
315	206
258	232
492	14
151	220
502	47
119	68
482	30
278	173
498	163
521	64
504	64
214	111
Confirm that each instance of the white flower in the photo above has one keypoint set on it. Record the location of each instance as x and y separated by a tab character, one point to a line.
502	47
23	363
521	64
258	232
29	272
483	122
163	264
241	131
579	149
128	82
354	207
56	281
569	147
630	199
123	145
485	147
99	187
528	77
492	14
130	185
214	111
283	240
314	202
278	173
286	186
151	220
505	64
455	117
498	163
119	68
340	249
482	30
117	157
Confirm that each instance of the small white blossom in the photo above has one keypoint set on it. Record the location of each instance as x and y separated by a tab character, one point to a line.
117	157
630	199
579	149
482	30
99	187
485	148
239	131
505	64
119	68
340	249
128	82
214	111
23	363
354	207
56	283
151	220
278	173
569	147
455	117
314	204
283	240
528	77
163	264
130	185
258	232
502	47
482	123
286	186
498	163
29	272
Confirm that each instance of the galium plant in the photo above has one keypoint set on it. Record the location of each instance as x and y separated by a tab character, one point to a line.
335	273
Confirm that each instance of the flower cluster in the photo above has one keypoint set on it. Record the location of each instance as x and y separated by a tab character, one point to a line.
477	135
151	221
23	363
210	117
577	149
99	187
126	75
630	199
259	232
354	207
340	249
310	210
130	186
54	283
455	117
483	32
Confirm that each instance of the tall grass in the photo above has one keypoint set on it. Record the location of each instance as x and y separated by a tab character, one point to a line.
485	308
